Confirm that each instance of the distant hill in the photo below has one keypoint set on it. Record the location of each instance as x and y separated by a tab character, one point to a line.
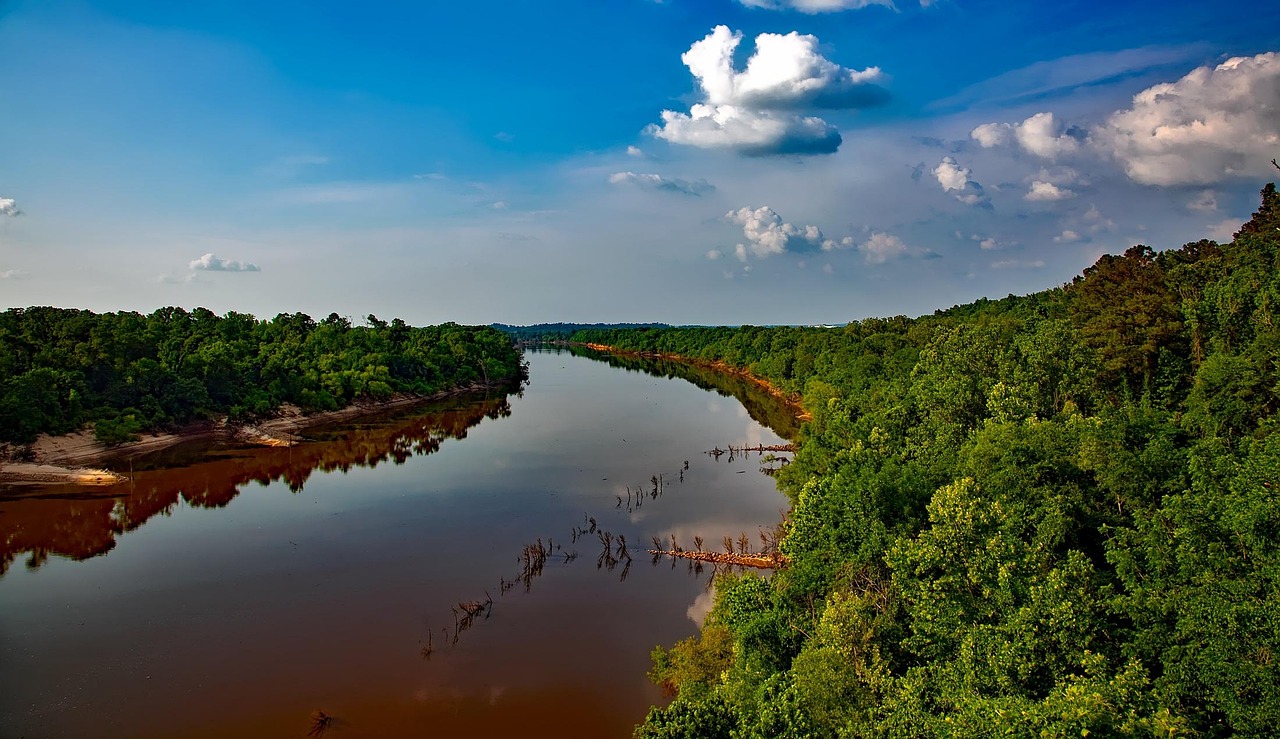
563	330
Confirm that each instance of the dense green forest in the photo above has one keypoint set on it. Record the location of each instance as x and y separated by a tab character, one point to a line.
561	331
1051	515
125	372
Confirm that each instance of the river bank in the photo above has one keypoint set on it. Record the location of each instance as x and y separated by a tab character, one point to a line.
69	459
792	400
237	592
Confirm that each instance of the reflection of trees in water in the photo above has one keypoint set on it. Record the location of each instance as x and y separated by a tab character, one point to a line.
764	408
80	524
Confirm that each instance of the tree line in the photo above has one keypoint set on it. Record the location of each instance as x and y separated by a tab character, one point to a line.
125	372
560	331
1048	515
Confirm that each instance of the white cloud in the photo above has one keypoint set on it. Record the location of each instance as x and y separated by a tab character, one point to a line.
748	132
1204	202
1047	192
767	234
1066	237
985	243
786	72
827	269
951	175
882	247
819	6
1018	264
714	254
758	111
635	151
958	180
211	263
1224	231
990	135
1212	125
1039	135
11	274
1060	176
9	207
695	188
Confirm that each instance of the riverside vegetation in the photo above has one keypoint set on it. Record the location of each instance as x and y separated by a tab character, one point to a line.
1044	515
1050	515
125	372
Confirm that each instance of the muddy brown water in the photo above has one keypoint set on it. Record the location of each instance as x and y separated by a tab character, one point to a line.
239	591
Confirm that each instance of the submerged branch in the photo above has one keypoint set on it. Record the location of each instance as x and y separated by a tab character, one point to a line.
762	561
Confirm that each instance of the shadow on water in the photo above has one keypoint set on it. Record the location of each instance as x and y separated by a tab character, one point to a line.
78	524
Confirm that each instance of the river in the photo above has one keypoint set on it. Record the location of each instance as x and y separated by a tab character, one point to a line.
373	581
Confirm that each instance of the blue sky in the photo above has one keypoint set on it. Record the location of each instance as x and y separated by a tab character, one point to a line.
735	161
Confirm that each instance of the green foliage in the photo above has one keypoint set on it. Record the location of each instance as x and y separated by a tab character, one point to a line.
1053	515
40	399
118	429
695	665
780	712
1127	310
710	718
559	331
63	369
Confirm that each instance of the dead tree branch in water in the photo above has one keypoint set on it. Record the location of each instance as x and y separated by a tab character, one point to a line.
758	560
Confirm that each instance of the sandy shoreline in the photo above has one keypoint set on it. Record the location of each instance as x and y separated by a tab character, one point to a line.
65	459
30	473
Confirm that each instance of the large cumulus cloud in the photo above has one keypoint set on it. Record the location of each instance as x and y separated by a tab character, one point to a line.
1213	124
786	72
760	110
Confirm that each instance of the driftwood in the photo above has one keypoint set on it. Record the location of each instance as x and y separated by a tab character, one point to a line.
761	561
760	448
